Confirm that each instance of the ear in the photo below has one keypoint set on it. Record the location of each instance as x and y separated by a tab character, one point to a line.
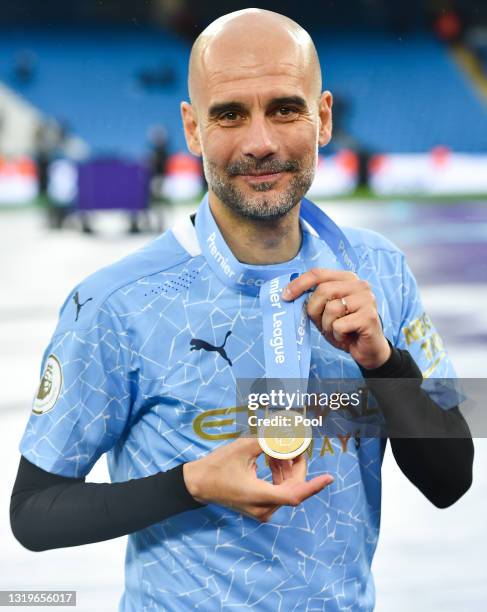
190	125
324	133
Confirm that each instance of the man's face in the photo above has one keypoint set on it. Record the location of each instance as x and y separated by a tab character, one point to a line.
259	122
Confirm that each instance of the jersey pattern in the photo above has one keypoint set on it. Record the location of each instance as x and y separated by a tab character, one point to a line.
150	350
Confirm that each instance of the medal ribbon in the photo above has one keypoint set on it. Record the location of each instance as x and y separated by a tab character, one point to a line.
287	349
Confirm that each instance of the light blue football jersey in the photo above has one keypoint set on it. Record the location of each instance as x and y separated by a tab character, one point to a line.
121	375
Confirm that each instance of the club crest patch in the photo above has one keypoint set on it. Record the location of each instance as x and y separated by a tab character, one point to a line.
49	387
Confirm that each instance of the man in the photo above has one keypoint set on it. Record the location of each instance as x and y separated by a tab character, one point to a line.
147	368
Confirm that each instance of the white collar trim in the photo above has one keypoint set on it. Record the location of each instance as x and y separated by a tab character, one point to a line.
185	234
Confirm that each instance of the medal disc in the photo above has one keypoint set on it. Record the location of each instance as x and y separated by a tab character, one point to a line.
283	437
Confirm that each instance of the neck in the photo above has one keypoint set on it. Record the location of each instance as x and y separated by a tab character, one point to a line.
258	241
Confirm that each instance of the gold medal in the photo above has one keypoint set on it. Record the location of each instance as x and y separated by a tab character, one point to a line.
285	436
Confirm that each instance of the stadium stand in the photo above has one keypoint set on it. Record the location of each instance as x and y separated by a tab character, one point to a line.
406	94
403	93
91	80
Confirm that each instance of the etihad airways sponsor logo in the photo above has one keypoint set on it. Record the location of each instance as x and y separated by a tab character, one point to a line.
210	425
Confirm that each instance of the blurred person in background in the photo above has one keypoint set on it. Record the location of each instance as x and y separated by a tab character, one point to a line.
159	155
158	160
158	164
46	143
56	171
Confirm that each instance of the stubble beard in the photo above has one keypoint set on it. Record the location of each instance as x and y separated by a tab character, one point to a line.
258	207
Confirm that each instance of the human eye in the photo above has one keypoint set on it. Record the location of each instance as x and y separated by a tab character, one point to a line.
229	117
285	112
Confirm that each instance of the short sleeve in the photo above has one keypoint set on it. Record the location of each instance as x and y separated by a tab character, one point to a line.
418	335
83	401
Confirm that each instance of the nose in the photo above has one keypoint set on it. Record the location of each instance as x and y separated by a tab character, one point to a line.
259	140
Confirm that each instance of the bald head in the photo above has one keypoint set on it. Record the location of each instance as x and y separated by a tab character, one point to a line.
257	114
247	39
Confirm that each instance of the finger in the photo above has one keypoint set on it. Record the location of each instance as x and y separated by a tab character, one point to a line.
277	477
287	469
360	321
247	447
268	515
259	513
314	277
334	310
258	492
262	493
343	307
300	464
349	303
334	292
293	493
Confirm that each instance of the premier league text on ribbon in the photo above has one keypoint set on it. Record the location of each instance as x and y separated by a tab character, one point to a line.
219	257
277	340
240	279
278	318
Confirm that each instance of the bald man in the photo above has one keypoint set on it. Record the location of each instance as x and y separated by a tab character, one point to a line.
146	371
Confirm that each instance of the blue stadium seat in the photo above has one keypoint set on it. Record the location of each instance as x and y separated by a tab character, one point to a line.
405	94
90	79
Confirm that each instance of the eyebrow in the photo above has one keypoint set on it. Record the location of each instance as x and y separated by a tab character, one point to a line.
221	107
232	105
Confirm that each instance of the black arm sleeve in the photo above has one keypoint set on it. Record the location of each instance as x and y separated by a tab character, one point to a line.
50	511
441	467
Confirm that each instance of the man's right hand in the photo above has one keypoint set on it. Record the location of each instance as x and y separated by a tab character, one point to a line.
228	476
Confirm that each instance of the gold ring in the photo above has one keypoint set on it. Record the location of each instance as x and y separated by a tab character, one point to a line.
345	304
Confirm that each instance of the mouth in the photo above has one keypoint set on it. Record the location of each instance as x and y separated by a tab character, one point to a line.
259	177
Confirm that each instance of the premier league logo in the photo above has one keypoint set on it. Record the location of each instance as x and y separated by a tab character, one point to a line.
49	387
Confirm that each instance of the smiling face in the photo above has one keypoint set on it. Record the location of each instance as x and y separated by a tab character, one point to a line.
257	116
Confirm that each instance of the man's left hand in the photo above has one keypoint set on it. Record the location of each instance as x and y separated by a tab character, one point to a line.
344	309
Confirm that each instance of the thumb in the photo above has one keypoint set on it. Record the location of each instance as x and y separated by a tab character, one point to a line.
338	336
251	447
